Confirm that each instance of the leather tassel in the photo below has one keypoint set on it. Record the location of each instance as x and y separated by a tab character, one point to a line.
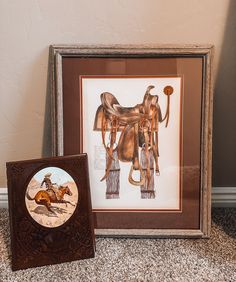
113	177
147	189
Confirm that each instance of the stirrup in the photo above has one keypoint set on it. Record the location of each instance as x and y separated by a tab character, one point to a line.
134	182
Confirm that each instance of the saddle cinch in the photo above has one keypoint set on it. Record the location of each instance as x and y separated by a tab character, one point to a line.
138	127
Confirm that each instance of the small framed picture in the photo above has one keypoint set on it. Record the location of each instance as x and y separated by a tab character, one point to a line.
143	114
50	211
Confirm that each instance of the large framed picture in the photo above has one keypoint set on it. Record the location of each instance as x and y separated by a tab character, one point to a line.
144	116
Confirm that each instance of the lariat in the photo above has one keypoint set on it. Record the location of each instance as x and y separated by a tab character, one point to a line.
168	90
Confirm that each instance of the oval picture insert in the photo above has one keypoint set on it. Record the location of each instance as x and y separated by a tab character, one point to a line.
51	197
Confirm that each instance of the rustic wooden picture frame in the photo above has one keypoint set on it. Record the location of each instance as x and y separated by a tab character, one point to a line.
34	244
64	93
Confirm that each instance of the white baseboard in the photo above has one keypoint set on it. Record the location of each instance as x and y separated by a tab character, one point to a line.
221	197
3	198
224	197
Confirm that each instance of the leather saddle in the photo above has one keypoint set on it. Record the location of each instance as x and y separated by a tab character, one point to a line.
138	127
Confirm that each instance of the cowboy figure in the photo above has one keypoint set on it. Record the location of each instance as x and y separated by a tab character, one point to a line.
52	190
47	181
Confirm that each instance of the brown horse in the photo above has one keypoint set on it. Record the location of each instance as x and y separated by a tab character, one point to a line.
46	197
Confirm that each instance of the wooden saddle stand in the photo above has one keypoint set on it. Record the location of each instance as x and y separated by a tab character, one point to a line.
138	127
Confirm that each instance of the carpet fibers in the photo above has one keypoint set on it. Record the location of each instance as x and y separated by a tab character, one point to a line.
141	259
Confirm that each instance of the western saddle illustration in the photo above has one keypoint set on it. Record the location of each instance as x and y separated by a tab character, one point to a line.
138	127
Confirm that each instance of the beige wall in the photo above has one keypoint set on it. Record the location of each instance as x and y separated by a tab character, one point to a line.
28	27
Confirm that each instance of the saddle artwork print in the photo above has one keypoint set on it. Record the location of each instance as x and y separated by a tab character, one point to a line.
133	137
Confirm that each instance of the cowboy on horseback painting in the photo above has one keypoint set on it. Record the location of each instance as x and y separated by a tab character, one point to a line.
54	205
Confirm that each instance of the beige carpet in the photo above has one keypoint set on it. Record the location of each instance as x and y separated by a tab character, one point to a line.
141	260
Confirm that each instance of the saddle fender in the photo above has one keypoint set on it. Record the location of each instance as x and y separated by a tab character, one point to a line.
125	148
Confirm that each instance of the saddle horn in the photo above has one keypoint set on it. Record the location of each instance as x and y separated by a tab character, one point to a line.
147	93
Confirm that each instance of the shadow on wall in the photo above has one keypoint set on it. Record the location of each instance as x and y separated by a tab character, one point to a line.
224	134
47	131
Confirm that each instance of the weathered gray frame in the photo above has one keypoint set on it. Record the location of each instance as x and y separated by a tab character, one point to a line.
57	52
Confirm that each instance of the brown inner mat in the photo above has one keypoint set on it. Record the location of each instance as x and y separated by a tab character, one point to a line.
191	70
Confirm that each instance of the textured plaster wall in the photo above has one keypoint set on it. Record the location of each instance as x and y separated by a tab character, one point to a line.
28	27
